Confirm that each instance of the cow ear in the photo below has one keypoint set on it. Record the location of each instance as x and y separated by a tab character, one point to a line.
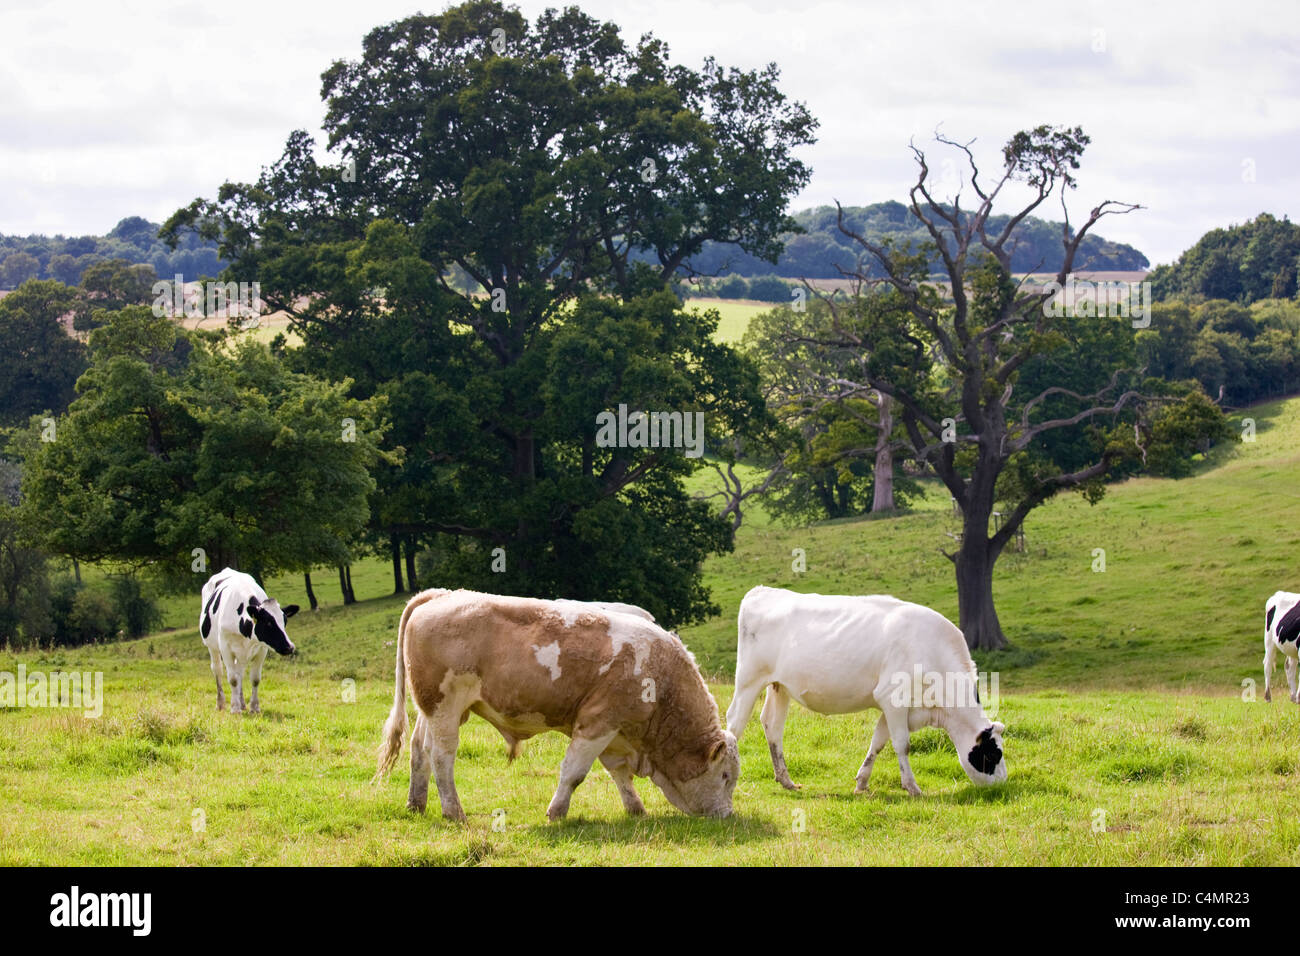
290	611
715	752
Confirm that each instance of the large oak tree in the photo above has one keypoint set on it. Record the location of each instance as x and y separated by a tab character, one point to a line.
491	251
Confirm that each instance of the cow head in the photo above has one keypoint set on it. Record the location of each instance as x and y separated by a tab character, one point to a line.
707	793
981	755
268	624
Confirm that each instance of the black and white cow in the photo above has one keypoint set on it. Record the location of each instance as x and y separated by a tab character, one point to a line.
239	624
1281	633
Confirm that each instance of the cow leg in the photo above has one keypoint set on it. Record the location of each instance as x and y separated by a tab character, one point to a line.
255	677
1270	662
775	708
215	660
1290	665
878	741
421	764
742	705
582	753
900	735
443	729
235	674
621	771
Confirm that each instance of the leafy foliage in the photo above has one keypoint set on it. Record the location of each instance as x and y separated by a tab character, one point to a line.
1258	259
179	441
474	261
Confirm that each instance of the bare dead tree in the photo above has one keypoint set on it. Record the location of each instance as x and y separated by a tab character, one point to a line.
733	491
982	338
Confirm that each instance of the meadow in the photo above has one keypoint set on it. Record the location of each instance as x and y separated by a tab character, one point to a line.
1136	734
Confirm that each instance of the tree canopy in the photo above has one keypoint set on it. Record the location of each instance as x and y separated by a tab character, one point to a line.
472	257
180	441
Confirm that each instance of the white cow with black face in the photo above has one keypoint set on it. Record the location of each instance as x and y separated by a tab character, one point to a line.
239	624
1281	633
838	655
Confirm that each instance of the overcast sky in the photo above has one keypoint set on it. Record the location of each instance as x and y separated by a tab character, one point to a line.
114	108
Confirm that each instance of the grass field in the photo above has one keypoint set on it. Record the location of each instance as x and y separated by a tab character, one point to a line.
735	315
1130	738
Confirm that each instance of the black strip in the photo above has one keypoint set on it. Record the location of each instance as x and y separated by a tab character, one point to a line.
1288	629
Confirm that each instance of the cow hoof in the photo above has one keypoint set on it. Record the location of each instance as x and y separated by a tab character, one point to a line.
790	784
914	790
859	790
454	816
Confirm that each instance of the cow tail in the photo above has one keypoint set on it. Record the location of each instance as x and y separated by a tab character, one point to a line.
395	727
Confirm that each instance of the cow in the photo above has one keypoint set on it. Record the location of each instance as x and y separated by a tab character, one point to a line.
838	655
623	609
621	688
238	625
1281	633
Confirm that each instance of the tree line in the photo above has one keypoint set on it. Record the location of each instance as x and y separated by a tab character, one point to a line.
134	241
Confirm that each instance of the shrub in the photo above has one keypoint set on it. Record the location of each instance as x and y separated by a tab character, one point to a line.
770	289
733	287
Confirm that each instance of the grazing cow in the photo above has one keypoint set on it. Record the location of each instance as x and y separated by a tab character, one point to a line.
239	624
624	690
839	655
1281	633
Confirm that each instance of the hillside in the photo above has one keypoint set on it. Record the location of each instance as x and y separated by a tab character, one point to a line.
134	239
822	247
1213	546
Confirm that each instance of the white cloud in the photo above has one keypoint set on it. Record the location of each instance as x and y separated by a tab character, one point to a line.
109	109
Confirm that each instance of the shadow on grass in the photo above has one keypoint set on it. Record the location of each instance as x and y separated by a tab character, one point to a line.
673	828
892	794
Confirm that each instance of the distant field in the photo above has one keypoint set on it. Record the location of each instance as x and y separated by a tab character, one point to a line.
268	326
735	315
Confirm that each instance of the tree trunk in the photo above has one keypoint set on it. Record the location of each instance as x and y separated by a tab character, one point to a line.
395	547
345	586
76	571
311	595
352	595
978	618
410	565
883	475
825	491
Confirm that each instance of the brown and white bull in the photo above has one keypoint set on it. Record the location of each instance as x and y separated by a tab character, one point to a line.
623	689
